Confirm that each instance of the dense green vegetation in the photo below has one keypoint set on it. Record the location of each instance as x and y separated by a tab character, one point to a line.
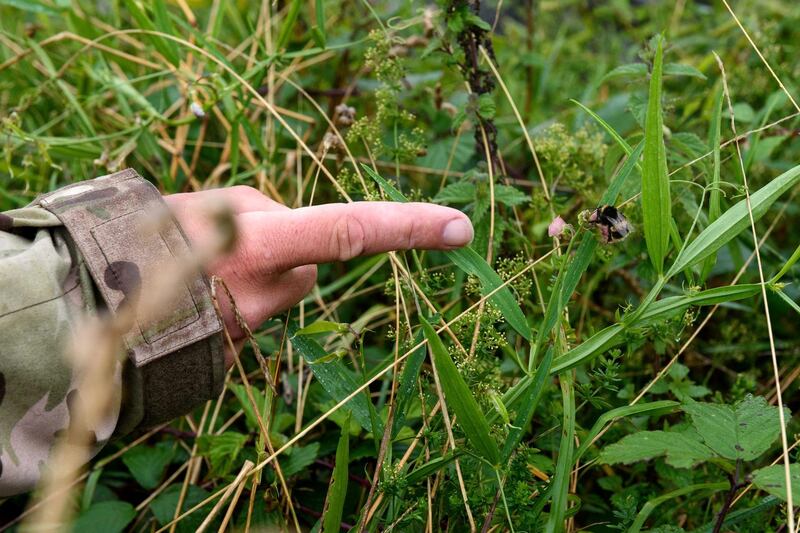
587	385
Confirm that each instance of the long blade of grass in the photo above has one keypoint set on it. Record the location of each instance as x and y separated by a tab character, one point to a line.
431	467
335	378
734	221
561	478
529	401
656	201
165	47
714	209
460	399
337	492
627	410
406	387
611	336
650	506
472	263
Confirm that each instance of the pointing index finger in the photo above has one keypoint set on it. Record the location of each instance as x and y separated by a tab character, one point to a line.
338	232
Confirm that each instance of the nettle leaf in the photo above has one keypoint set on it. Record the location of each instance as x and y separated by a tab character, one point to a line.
680	449
147	463
462	192
743	431
772	479
222	450
510	196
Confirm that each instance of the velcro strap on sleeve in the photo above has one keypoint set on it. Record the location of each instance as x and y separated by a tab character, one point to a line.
108	219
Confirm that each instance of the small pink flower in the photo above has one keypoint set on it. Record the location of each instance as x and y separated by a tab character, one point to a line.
557	227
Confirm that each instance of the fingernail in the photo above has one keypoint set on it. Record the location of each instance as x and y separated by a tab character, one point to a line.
457	232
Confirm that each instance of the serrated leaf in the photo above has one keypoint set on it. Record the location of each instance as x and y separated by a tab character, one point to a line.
734	221
656	200
510	196
222	450
743	431
459	398
680	449
461	192
772	479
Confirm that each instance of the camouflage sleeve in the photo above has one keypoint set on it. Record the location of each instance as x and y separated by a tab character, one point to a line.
43	290
77	250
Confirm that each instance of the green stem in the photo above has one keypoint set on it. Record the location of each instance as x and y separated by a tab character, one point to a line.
789	264
650	506
558	505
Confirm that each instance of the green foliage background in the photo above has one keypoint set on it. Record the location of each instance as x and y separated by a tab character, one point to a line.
549	433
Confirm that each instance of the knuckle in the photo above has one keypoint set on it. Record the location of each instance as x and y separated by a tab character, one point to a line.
246	191
348	238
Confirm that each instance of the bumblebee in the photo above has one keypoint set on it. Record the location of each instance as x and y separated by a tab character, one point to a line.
613	225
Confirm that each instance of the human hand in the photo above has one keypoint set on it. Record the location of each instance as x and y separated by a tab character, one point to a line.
274	262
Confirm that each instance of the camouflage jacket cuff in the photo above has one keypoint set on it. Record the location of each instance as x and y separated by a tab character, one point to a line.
175	357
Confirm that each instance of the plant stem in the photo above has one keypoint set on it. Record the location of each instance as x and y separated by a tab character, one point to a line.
726	507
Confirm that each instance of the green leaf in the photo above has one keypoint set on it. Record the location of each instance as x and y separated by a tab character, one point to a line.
714	209
650	506
628	70
743	431
406	390
529	395
240	392
681	449
470	262
486	106
147	463
772	479
656	201
460	399
431	467
620	412
679	69
510	196
288	24
323	326
733	221
105	517
462	192
166	47
335	378
164	505
611	336
337	492
222	450
302	456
